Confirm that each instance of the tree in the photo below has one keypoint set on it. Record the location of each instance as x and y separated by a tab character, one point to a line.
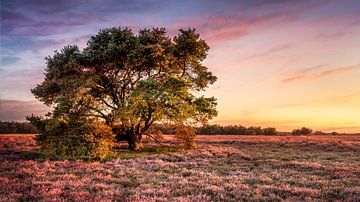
129	82
269	131
253	130
301	131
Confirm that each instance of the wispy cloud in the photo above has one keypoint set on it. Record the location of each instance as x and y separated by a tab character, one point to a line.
242	18
6	59
294	78
301	75
43	18
11	45
331	36
267	53
338	70
219	29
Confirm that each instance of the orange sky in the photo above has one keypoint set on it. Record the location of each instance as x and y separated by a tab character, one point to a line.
296	74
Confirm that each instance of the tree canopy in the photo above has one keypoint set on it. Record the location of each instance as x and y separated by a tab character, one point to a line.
128	82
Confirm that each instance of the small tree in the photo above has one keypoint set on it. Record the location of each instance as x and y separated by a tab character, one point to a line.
301	131
186	136
126	82
269	131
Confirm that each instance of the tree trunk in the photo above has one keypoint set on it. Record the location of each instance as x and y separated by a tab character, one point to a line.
132	142
131	137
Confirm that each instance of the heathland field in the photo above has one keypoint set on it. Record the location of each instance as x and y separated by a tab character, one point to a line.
221	168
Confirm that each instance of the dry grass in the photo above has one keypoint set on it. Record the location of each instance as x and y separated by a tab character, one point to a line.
222	168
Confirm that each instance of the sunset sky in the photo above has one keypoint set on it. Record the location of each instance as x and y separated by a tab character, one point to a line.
285	64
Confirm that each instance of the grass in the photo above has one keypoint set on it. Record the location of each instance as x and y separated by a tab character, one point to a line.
151	150
221	168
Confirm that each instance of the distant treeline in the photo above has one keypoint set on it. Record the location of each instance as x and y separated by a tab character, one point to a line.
16	127
235	130
222	130
25	127
242	130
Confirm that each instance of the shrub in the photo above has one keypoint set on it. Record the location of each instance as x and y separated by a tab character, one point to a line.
185	135
301	131
269	131
74	139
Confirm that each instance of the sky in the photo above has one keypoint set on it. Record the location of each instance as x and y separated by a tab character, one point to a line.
283	64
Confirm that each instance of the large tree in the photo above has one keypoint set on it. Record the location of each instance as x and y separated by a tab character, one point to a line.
128	82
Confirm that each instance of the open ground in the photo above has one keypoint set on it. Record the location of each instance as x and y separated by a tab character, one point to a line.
221	168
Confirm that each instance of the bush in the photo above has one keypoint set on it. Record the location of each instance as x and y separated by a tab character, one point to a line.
301	131
269	131
74	139
185	135
319	133
7	127
255	130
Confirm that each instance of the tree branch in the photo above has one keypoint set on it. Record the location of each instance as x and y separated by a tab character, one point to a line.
154	138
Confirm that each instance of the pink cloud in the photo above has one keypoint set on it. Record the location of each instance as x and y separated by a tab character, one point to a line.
338	70
294	78
268	53
331	36
219	29
299	76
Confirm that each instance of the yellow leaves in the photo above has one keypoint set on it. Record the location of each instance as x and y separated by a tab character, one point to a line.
185	135
157	50
63	119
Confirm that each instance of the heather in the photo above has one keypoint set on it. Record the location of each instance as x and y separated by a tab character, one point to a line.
221	168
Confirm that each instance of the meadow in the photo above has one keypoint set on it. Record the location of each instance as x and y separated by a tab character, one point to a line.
221	168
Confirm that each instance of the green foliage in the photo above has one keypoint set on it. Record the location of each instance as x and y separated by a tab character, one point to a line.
16	127
301	131
63	138
125	81
234	130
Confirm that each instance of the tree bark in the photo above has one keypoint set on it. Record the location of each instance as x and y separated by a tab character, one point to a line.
133	138
132	142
